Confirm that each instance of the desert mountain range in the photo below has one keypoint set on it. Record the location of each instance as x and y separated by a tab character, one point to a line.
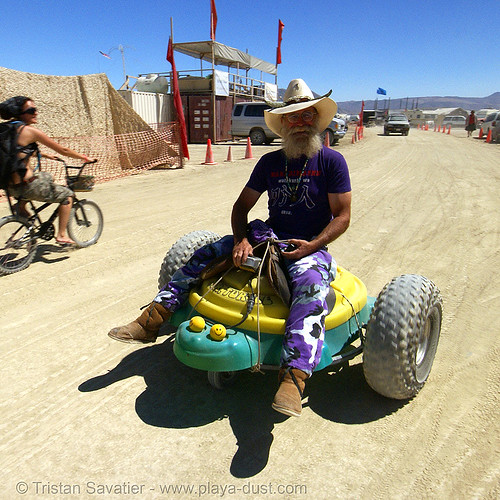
432	102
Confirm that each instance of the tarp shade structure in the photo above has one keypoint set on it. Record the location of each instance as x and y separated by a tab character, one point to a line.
224	56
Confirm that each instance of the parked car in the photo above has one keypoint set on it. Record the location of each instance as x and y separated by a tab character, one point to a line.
336	130
247	120
490	122
454	121
397	124
495	131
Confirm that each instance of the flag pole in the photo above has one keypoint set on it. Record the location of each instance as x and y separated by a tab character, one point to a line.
213	93
171	73
177	100
213	25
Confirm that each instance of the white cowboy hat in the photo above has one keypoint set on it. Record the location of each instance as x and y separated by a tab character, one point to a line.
298	96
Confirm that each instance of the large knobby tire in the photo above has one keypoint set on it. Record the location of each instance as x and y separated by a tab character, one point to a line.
402	336
181	251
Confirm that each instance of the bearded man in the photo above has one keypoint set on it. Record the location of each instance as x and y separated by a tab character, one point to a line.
309	203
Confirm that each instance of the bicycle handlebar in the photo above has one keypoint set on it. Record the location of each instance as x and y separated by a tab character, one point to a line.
69	166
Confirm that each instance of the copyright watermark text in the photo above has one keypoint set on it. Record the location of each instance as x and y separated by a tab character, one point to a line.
47	489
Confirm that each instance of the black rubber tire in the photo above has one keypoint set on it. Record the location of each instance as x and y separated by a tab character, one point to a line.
402	336
17	244
85	231
220	380
257	137
181	251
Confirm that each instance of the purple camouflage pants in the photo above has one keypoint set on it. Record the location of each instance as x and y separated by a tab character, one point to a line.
310	279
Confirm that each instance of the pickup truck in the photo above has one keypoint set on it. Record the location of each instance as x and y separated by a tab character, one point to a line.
397	124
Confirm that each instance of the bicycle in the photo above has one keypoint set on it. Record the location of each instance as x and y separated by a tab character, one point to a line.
19	235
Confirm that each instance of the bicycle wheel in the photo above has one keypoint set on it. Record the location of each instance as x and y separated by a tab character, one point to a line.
17	244
85	223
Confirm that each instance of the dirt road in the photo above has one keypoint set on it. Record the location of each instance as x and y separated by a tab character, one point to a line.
85	415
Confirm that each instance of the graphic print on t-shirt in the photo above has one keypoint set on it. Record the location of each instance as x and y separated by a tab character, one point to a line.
283	195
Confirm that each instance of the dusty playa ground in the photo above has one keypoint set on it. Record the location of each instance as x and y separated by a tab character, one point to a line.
83	416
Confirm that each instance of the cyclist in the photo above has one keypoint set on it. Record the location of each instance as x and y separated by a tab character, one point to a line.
25	184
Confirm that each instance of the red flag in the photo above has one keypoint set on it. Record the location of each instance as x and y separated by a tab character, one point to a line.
213	20
278	50
105	55
178	100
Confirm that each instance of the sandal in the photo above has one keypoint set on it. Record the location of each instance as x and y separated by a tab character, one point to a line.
65	243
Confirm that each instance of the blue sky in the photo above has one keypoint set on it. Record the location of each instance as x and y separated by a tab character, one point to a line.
410	48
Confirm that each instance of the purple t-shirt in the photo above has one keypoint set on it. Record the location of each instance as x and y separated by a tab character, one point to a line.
300	212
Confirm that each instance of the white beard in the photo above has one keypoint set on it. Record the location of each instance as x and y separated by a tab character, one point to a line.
295	147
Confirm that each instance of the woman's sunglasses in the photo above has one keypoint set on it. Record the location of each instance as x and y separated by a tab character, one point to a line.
29	111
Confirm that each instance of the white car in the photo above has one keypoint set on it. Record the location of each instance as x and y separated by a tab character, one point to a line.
454	121
490	122
247	120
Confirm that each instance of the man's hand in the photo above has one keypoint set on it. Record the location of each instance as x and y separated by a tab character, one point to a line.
241	251
302	248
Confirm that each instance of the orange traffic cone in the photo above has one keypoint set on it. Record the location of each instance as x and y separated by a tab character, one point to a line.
444	129
326	142
209	157
488	137
229	155
248	152
426	127
481	133
449	129
439	128
418	126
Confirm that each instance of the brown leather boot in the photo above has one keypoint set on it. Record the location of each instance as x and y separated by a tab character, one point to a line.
145	328
288	399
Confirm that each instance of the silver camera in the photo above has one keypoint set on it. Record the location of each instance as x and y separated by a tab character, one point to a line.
251	264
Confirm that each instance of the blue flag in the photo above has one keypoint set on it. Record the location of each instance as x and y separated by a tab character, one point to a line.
381	91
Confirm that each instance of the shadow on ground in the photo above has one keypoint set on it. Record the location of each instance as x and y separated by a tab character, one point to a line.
179	397
50	254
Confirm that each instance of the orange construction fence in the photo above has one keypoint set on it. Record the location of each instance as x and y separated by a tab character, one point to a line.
120	155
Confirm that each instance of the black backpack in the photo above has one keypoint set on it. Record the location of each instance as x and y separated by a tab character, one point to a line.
9	132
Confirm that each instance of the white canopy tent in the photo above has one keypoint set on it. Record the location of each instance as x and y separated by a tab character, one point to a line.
223	55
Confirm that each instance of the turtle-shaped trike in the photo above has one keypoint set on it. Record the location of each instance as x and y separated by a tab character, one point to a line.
397	333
